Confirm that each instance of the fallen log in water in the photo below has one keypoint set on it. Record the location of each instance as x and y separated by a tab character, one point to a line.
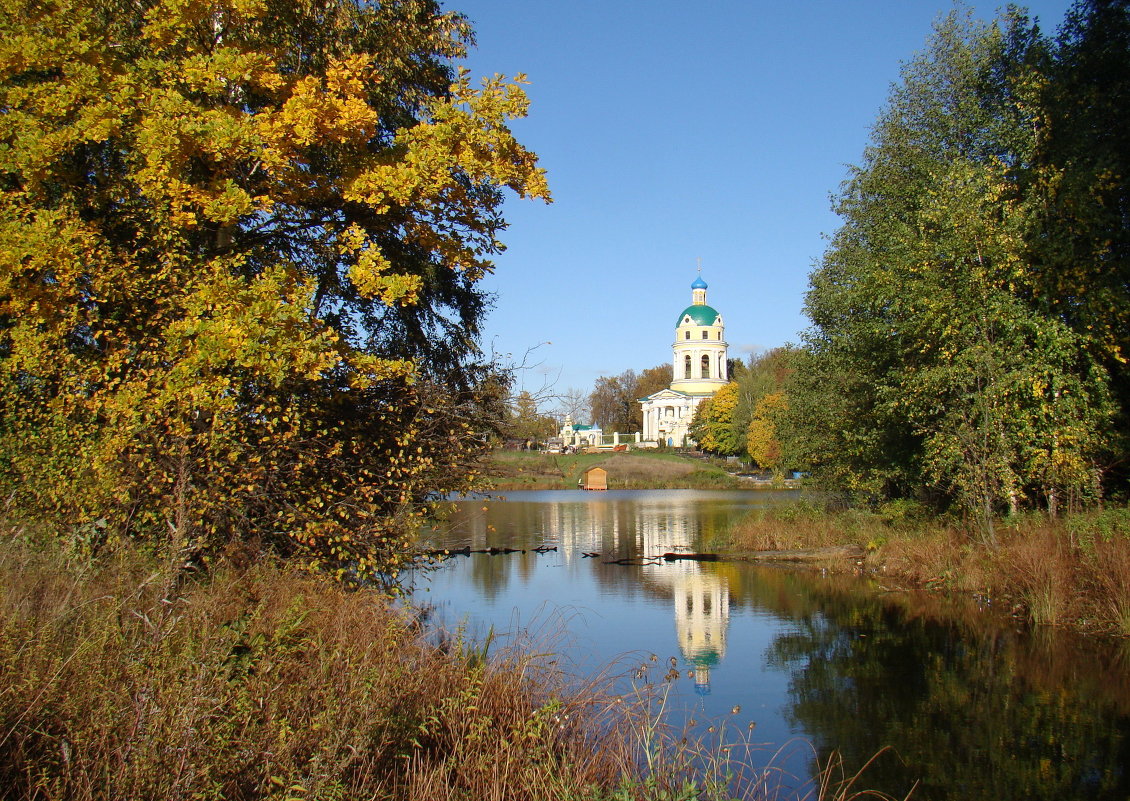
467	551
826	554
445	552
693	557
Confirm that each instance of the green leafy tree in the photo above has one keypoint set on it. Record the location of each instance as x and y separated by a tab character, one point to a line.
240	249
1079	235
765	374
938	367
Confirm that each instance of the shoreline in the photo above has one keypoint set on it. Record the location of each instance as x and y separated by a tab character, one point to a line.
1068	572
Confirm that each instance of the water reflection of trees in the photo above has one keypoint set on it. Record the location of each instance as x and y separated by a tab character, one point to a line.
990	715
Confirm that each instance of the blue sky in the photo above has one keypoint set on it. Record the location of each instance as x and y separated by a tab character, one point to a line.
672	132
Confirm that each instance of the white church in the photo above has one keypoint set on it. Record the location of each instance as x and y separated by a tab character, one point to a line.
698	371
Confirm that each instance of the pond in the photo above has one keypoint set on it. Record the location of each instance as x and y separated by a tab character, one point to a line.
968	704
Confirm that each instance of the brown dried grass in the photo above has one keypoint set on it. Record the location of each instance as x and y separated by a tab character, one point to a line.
1037	568
1071	571
790	527
1112	584
264	683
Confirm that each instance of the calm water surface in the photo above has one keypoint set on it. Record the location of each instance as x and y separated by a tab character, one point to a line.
973	707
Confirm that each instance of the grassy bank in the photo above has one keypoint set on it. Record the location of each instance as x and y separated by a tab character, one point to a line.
125	677
1071	571
639	469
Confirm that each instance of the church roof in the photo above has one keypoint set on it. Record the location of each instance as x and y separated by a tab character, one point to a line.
700	315
666	392
704	657
699	283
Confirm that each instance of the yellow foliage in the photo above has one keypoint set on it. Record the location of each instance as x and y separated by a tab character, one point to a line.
211	218
761	436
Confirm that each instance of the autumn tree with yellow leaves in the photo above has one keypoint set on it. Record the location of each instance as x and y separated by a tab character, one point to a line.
761	443
240	247
713	426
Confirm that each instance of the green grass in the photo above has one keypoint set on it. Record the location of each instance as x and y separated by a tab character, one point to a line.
637	469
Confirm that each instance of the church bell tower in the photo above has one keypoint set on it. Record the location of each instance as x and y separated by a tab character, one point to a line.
699	352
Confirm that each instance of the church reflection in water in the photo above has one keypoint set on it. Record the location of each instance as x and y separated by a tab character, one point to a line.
637	530
701	597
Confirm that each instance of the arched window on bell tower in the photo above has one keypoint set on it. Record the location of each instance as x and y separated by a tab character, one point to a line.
687	366
705	366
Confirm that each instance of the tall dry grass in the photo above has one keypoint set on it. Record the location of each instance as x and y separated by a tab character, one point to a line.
808	524
1053	572
1069	571
119	681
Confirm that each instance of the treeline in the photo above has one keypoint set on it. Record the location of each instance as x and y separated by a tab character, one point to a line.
971	318
612	404
741	419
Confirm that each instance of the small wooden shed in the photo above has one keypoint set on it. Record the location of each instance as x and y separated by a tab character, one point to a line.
595	478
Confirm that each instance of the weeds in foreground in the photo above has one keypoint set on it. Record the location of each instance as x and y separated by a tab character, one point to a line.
265	682
261	683
724	762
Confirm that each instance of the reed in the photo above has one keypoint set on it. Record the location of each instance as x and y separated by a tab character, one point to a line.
1102	538
1038	570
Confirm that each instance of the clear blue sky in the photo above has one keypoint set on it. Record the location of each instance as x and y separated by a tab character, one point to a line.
673	131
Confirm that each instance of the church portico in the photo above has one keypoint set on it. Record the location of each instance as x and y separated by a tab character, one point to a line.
666	416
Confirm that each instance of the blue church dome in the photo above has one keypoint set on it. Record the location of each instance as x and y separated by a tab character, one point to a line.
698	283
